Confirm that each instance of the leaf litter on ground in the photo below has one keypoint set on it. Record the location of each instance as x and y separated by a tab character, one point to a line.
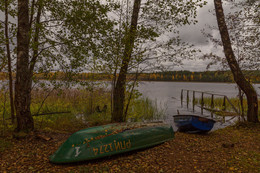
185	153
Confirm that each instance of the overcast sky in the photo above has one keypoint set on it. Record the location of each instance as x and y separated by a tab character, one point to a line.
193	34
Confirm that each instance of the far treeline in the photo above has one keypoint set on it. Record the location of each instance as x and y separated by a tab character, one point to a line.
207	76
182	76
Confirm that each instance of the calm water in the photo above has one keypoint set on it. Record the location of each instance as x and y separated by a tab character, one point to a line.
167	94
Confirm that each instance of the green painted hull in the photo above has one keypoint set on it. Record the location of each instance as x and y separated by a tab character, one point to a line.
107	140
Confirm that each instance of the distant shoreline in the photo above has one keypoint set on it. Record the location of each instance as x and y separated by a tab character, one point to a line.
3	80
166	76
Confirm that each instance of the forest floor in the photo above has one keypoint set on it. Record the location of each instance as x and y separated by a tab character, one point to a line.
233	149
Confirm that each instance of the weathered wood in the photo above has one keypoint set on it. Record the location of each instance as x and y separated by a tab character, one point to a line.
202	103
212	100
49	113
188	99
212	104
181	97
193	101
232	106
224	104
46	138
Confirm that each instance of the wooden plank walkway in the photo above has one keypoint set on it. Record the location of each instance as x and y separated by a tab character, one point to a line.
202	103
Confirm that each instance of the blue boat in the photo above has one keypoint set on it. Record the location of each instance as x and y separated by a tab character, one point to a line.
193	123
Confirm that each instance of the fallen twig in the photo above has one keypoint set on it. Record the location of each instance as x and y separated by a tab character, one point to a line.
49	113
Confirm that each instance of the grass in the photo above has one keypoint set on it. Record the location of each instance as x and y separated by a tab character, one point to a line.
141	109
80	107
145	109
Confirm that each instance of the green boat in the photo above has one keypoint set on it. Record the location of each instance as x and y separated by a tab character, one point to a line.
111	139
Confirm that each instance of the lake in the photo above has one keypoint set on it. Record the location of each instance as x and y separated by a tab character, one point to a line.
167	94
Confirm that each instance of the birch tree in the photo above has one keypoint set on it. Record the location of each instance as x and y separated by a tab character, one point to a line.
252	101
23	76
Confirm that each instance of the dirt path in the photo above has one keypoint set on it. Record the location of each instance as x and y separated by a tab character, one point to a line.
234	149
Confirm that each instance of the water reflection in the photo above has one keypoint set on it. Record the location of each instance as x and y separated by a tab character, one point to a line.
167	95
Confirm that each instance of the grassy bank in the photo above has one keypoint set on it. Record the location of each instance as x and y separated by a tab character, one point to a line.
71	108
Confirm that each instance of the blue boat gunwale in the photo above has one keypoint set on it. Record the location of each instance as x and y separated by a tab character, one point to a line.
197	116
193	123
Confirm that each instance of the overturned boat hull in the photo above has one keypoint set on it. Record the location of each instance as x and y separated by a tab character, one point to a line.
107	140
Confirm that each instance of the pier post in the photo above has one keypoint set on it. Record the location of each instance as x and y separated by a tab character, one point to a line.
188	99
193	101
224	104
181	97
212	104
202	103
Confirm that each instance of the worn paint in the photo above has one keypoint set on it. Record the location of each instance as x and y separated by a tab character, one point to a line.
118	146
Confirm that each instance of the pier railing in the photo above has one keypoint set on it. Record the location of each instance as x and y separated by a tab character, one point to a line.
202	103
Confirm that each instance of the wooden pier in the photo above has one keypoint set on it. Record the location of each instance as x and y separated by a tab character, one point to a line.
201	97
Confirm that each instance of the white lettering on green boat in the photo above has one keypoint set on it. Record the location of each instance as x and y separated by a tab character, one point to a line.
77	151
118	146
